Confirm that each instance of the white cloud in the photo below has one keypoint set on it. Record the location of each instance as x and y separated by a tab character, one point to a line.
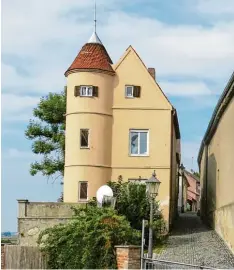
185	89
18	107
51	33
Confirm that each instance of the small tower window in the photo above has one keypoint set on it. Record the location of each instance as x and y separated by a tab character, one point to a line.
83	191
86	91
84	138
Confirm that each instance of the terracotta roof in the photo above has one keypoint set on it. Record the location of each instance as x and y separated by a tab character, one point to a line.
92	56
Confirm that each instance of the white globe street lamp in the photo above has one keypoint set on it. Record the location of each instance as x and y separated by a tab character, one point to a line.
152	186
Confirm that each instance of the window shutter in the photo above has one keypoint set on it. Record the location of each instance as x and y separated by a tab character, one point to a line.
137	91
95	91
77	91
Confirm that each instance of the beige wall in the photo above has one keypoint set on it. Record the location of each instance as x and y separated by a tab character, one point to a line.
95	113
220	184
151	111
221	160
108	156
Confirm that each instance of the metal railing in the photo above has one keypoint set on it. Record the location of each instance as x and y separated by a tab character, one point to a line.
164	264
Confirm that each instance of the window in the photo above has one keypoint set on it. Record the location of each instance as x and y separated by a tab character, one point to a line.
129	91
132	91
83	191
86	91
139	142
84	138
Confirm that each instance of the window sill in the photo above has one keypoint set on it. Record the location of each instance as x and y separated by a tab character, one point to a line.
132	155
85	148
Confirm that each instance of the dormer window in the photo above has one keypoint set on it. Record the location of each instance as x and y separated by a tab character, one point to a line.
132	91
86	91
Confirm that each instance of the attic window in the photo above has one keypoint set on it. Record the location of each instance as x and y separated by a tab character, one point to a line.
132	91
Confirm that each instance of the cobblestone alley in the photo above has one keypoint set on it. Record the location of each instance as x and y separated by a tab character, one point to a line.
192	242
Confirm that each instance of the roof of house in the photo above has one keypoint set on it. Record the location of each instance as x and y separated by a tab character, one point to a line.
92	56
192	175
220	108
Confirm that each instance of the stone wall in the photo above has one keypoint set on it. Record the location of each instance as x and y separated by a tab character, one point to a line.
33	217
128	257
224	224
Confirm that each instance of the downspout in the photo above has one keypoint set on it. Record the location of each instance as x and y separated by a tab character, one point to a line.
171	162
206	158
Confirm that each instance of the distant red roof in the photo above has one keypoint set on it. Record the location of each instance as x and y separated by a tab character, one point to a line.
92	56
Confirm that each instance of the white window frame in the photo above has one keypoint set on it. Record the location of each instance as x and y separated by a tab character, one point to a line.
139	131
79	187
86	89
126	86
84	147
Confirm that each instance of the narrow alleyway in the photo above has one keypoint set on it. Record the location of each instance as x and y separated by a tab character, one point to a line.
192	242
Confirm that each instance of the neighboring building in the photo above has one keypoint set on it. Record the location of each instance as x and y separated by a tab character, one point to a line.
183	188
216	162
193	191
118	123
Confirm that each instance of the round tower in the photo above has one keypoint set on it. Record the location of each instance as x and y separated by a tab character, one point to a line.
88	122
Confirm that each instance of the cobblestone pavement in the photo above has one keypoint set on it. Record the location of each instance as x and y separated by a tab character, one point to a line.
193	243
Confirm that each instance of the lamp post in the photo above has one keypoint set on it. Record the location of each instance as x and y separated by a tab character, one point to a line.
152	186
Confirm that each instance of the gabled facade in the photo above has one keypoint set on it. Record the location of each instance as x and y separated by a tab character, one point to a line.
216	162
119	123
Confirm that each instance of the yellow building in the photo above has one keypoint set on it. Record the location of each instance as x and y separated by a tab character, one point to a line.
118	123
216	162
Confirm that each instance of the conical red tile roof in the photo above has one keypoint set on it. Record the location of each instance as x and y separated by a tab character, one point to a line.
92	56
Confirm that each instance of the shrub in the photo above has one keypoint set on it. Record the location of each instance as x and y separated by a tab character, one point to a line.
88	240
133	203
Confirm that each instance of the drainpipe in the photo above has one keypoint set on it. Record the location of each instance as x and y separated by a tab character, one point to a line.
206	158
171	210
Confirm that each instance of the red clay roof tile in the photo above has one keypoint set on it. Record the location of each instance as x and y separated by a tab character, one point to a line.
92	56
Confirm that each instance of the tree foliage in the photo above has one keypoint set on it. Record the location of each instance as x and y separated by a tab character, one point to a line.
47	131
88	241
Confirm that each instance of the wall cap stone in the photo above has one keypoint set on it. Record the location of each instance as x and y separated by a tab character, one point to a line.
22	200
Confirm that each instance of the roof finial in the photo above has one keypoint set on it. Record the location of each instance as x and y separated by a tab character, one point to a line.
95	19
94	38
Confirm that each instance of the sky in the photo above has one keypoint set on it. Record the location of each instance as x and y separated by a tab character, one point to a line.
188	42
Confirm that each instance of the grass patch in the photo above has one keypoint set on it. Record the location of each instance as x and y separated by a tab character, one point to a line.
158	249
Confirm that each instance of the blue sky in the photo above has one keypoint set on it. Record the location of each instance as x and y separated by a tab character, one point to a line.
189	42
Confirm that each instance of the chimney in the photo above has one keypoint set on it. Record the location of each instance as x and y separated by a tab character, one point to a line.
152	72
